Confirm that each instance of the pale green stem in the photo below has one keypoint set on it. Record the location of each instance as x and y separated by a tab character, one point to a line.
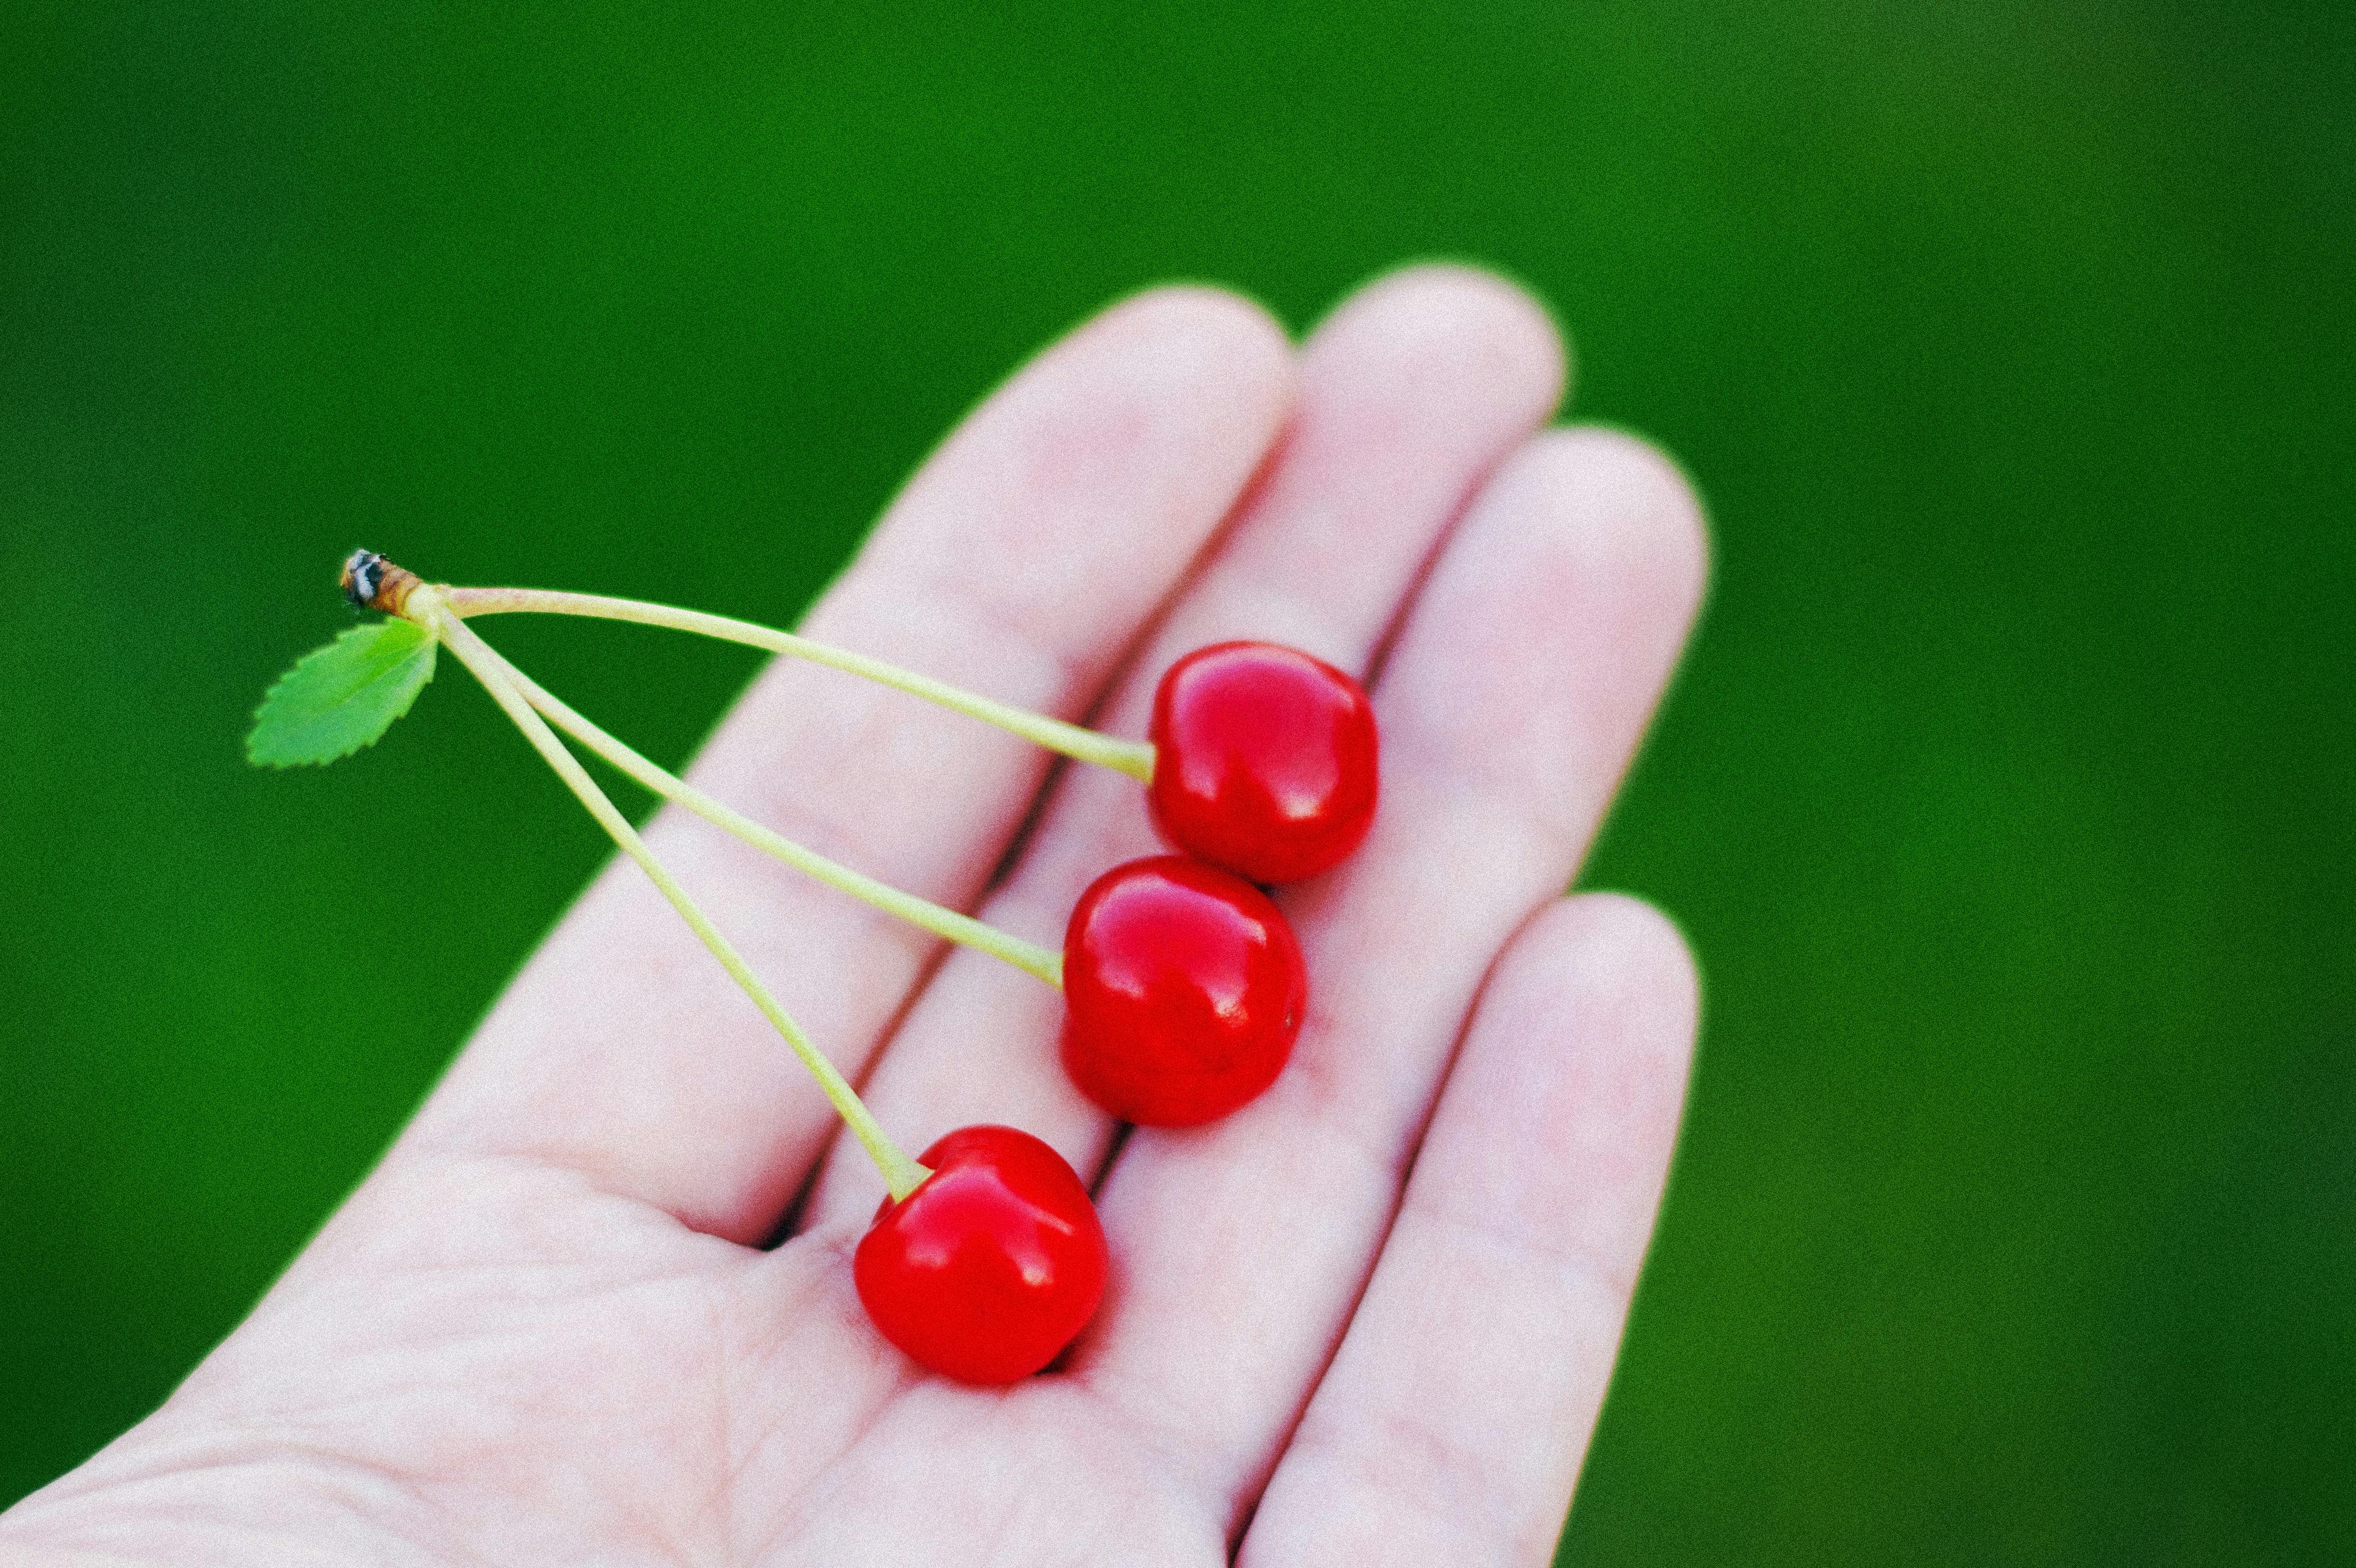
1134	757
1044	962
901	1173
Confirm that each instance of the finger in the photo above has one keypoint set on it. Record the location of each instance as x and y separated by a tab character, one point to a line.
1409	393
1021	560
1510	706
1452	1423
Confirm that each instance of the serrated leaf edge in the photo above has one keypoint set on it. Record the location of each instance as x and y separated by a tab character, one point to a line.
433	653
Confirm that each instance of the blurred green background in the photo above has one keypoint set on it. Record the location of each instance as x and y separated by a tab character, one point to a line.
2006	797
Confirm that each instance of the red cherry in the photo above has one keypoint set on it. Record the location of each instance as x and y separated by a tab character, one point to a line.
992	1265
1264	760
1182	989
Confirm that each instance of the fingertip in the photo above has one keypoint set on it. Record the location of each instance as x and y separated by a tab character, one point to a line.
1657	528
1203	328
1536	654
1587	1026
1633	955
1500	330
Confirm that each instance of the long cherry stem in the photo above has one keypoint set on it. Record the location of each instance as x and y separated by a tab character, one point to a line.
1134	757
426	606
1044	962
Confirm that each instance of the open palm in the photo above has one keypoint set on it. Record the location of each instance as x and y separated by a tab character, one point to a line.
1368	1318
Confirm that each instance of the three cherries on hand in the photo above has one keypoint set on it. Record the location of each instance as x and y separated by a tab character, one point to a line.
1183	985
1184	990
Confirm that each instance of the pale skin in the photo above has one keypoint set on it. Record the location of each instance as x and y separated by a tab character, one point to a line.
1367	1319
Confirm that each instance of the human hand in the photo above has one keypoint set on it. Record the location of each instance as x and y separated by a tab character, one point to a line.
1367	1318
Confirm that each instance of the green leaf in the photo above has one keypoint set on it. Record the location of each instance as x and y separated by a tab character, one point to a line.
340	698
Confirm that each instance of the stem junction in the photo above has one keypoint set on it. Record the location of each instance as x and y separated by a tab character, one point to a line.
429	608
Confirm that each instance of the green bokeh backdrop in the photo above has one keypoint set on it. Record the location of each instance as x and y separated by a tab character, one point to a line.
2006	797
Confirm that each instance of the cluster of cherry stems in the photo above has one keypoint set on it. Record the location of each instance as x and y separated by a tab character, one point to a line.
1183	985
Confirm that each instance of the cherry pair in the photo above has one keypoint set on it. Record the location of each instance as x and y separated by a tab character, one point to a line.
1184	986
1183	983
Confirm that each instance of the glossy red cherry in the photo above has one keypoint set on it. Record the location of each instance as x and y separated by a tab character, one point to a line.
1182	989
1264	760
992	1265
